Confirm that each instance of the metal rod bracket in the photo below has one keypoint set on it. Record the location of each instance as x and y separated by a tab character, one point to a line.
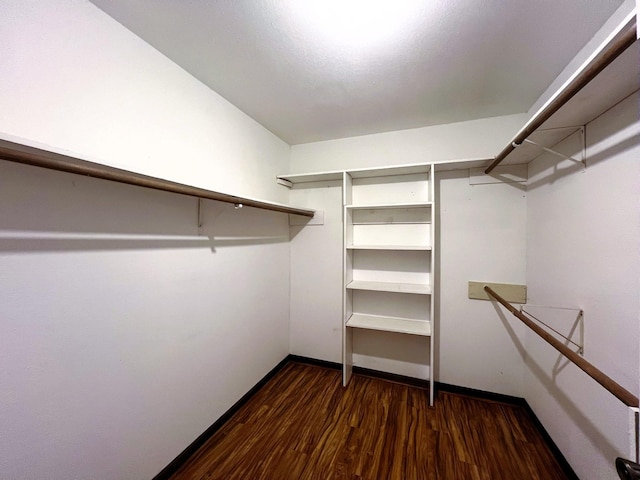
200	216
578	324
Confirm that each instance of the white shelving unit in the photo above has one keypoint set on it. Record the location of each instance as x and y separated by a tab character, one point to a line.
389	256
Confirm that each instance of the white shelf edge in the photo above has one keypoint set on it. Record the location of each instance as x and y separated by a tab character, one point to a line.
424	248
392	287
382	206
312	177
17	150
390	324
387	170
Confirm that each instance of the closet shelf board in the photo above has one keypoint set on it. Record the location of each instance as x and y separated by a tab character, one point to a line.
424	248
415	288
383	206
390	324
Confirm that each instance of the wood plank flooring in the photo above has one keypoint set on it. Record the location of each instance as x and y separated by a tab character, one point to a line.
304	425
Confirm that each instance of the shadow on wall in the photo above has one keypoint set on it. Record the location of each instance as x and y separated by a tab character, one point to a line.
47	211
561	168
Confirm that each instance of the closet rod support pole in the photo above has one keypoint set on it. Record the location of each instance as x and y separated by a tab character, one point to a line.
617	390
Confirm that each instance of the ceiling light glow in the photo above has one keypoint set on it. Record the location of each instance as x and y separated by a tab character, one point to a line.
356	24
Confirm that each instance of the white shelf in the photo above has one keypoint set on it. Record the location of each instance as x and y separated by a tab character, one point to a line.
312	177
445	165
424	248
416	288
383	206
390	324
613	84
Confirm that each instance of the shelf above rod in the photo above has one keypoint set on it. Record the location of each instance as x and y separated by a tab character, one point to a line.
387	206
17	153
606	55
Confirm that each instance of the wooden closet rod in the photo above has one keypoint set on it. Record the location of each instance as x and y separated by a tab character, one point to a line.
617	390
612	52
53	161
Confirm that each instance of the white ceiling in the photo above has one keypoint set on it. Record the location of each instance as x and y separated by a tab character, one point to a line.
454	60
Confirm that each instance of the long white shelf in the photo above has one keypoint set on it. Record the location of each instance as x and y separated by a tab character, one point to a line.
390	324
416	288
382	206
332	175
613	84
425	248
12	151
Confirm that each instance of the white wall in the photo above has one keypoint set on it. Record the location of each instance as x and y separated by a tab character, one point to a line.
74	81
583	236
316	274
453	141
482	237
123	335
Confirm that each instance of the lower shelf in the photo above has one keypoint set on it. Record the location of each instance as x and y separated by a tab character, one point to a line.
390	324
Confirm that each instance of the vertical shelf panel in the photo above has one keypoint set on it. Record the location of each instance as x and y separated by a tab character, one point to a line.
347	311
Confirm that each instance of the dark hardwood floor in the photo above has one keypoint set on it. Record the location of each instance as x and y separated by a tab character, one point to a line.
304	425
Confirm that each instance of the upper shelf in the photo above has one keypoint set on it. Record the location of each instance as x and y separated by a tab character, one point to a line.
604	88
610	75
387	206
17	153
410	169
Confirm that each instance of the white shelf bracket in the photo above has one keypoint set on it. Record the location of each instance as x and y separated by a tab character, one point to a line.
583	144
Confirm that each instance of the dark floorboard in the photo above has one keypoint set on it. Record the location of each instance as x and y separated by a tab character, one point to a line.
304	425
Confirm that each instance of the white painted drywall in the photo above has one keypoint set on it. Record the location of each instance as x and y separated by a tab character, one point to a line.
582	250
453	141
481	235
481	238
316	274
75	81
123	335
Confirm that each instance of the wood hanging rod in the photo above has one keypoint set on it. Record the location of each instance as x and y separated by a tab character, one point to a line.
617	390
62	163
612	52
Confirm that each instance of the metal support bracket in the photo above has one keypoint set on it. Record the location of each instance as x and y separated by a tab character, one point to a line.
200	216
583	143
578	324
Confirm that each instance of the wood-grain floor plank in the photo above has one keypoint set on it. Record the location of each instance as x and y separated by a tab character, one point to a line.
304	425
